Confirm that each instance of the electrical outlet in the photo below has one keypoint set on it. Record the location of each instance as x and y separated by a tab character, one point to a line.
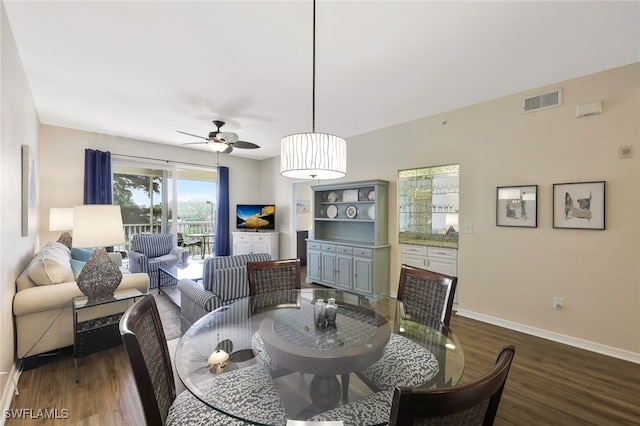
558	303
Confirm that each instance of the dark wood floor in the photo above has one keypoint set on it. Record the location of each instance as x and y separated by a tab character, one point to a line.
549	384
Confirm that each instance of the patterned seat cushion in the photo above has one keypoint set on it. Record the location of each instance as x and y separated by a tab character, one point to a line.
189	410
249	391
372	410
404	363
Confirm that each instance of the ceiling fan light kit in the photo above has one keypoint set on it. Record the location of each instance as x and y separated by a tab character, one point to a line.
313	155
221	141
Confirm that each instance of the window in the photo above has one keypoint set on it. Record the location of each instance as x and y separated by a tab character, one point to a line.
149	195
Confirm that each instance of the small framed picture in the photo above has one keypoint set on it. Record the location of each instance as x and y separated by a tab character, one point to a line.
517	206
579	205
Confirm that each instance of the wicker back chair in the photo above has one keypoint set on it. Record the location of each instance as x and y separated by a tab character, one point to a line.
426	296
473	403
273	275
146	346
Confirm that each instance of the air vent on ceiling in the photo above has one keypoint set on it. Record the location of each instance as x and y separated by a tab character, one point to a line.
544	101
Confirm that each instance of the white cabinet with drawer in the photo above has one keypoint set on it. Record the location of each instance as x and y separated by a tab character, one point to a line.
256	242
437	259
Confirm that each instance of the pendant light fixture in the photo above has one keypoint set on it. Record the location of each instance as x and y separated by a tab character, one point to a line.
313	155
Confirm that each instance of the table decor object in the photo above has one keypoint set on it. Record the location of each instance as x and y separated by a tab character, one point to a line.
331	311
579	205
319	313
217	361
97	226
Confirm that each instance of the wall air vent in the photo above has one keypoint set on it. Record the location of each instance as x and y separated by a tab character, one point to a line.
544	101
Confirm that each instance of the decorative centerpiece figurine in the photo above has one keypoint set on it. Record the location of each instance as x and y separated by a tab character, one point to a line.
217	361
319	316
331	311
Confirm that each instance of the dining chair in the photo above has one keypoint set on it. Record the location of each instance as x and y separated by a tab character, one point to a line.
427	298
146	346
472	403
273	275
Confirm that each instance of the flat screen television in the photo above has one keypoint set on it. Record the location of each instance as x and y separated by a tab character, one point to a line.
255	216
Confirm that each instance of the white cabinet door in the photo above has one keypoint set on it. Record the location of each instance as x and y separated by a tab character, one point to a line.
328	268
443	266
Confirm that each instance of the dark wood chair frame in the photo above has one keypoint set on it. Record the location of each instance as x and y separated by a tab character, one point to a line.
255	267
154	414
411	405
425	274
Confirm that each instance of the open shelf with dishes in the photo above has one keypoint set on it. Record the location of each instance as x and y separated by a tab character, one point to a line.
348	244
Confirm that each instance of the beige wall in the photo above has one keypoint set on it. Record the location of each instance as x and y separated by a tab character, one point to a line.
19	125
509	275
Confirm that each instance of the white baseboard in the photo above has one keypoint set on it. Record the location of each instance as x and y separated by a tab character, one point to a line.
556	337
10	389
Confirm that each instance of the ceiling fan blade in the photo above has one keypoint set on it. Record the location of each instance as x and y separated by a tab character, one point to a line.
228	150
195	136
245	145
196	143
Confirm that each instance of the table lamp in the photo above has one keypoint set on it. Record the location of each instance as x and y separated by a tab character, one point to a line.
96	226
451	220
61	219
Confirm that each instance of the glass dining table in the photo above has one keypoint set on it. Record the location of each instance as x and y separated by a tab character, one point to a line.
312	367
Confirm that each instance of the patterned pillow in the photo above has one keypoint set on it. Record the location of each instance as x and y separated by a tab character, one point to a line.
229	283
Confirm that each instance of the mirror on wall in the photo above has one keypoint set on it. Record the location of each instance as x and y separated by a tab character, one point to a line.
428	205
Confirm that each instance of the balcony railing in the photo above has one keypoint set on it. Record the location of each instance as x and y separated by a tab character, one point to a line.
186	228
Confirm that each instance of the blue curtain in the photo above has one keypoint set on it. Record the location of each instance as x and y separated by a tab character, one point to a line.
222	245
97	177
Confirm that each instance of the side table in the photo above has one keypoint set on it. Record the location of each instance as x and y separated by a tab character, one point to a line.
98	332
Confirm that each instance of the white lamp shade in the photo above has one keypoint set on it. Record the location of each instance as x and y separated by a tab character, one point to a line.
97	225
451	220
61	219
313	156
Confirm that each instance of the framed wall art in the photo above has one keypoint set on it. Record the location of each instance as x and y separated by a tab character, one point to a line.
517	206
579	205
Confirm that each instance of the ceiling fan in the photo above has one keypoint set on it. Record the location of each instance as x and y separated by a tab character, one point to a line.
221	141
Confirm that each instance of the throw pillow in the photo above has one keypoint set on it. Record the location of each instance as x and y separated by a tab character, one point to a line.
46	270
230	283
76	266
81	254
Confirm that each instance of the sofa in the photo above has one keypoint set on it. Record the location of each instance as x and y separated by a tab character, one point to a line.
150	251
42	305
224	281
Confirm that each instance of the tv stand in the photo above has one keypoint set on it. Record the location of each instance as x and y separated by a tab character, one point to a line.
245	242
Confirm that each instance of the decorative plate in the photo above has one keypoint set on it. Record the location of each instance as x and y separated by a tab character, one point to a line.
371	195
332	197
351	212
371	212
332	211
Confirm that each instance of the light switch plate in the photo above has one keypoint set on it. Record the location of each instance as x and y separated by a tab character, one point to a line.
468	228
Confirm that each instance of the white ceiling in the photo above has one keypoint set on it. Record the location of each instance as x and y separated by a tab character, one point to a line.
144	70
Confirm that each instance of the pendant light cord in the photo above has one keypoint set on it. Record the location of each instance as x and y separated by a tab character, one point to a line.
313	83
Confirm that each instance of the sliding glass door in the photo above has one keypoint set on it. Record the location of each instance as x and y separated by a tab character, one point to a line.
164	200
